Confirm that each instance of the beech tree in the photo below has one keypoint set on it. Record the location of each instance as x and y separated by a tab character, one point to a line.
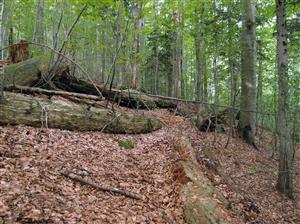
285	178
248	73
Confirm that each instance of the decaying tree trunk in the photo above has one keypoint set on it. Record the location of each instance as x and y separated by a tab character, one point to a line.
19	52
60	113
29	73
202	202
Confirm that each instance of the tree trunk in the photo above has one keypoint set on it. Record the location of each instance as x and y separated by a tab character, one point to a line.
216	83
285	178
231	67
2	28
39	36
60	113
199	42
248	88
177	50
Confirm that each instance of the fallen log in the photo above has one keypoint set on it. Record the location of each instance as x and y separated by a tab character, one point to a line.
202	202
16	108
30	90
29	73
127	98
129	194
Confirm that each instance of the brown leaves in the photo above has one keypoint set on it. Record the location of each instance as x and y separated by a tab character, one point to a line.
33	190
45	196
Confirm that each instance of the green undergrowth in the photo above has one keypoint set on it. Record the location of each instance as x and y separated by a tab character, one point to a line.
126	144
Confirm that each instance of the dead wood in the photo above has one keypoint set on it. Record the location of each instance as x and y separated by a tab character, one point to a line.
202	202
19	52
128	194
37	111
25	89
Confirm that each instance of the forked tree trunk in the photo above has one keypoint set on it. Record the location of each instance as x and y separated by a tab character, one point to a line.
285	177
248	93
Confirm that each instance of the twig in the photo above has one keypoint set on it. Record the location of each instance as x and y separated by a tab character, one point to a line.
128	194
58	61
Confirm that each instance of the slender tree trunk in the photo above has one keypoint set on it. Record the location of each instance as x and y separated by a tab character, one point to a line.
198	69
104	54
232	71
259	79
2	27
8	28
205	73
200	60
248	93
97	52
155	80
285	178
135	45
216	83
177	49
39	36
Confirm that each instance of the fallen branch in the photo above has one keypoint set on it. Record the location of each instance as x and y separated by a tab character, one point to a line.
25	89
72	176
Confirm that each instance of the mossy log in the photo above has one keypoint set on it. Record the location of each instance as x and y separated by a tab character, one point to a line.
202	203
29	72
60	113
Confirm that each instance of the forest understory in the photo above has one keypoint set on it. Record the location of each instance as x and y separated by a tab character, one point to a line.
33	189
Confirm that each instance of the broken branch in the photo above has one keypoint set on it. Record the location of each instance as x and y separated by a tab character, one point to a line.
73	177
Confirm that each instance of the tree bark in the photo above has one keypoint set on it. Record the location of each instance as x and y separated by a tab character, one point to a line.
233	79
2	27
248	88
285	177
199	45
29	72
39	36
60	113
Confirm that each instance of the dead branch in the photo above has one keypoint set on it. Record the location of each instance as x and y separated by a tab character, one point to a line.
73	177
73	62
59	59
25	89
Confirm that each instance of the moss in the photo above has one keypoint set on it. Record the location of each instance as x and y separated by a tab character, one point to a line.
208	154
126	144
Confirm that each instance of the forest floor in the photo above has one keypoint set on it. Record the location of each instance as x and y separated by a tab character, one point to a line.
32	189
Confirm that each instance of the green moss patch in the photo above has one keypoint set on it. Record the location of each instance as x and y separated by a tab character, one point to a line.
126	144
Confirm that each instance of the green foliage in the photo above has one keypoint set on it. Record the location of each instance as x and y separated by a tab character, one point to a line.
98	34
126	144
